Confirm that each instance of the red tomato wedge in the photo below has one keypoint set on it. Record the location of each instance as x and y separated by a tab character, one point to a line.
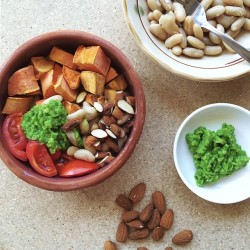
77	168
14	136
56	156
40	159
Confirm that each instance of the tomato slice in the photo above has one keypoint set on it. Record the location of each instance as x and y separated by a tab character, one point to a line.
14	136
56	156
40	159
77	168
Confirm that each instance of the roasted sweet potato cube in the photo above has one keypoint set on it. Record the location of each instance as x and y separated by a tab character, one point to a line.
118	83
41	65
111	75
110	95
62	57
62	88
47	84
92	59
57	71
72	77
93	82
17	104
70	107
23	82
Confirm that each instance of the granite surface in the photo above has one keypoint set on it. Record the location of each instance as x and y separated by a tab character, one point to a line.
32	218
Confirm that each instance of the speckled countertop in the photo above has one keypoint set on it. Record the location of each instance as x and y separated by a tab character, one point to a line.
32	218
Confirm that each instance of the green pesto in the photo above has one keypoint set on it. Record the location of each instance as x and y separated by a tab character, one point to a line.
78	137
44	122
216	154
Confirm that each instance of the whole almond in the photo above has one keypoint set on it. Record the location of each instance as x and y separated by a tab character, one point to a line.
168	248
146	212
137	224
158	233
128	216
154	221
109	245
138	234
124	202
137	192
159	201
183	237
167	219
122	232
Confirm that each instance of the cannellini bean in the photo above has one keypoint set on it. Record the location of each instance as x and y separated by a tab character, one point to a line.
195	42
90	113
246	3
84	126
188	25
214	38
228	48
207	41
183	44
179	11
157	14
54	97
226	20
83	154
238	24
154	22
155	5
81	96
198	32
238	3
206	4
212	50
71	136
71	150
158	31
235	11
192	52
215	12
78	114
212	22
168	23
167	5
247	15
218	2
232	33
173	40
177	50
246	25
151	16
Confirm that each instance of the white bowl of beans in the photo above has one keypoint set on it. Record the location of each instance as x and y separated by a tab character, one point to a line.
164	31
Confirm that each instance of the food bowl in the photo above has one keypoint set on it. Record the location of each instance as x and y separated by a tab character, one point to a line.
230	189
69	41
223	67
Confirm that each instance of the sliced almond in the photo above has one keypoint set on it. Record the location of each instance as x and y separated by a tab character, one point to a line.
117	113
81	96
101	155
99	133
98	146
117	130
123	119
106	160
112	144
108	120
130	100
110	133
90	98
98	106
90	140
123	105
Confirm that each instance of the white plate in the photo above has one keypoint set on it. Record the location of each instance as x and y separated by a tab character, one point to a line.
230	189
219	68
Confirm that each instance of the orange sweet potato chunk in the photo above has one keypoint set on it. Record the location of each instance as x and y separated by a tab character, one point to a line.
118	84
70	107
41	65
22	82
111	75
62	57
17	104
92	59
47	84
72	77
62	88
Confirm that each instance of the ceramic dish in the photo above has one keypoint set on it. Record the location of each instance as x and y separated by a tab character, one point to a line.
224	67
230	189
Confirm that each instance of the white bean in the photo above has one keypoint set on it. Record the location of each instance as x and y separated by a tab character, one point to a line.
195	42
198	32
83	154
238	3
155	5
150	16
71	150
173	40
226	20
215	12
246	3
78	114
179	11
218	2
188	25
246	25
238	24
158	31
54	97
212	50
214	38
235	11
80	98
167	5
157	14
183	44
206	4
192	52
177	50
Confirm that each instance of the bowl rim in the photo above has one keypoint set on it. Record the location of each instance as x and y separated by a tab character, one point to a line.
177	138
75	183
202	77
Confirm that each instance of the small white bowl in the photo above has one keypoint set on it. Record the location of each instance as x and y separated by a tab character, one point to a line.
226	66
230	189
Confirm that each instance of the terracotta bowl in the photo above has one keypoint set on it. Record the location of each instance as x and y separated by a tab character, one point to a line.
69	40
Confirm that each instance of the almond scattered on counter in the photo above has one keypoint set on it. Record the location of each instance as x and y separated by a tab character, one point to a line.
122	232
128	216
139	234
183	237
109	245
159	201
158	233
167	219
137	193
124	202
